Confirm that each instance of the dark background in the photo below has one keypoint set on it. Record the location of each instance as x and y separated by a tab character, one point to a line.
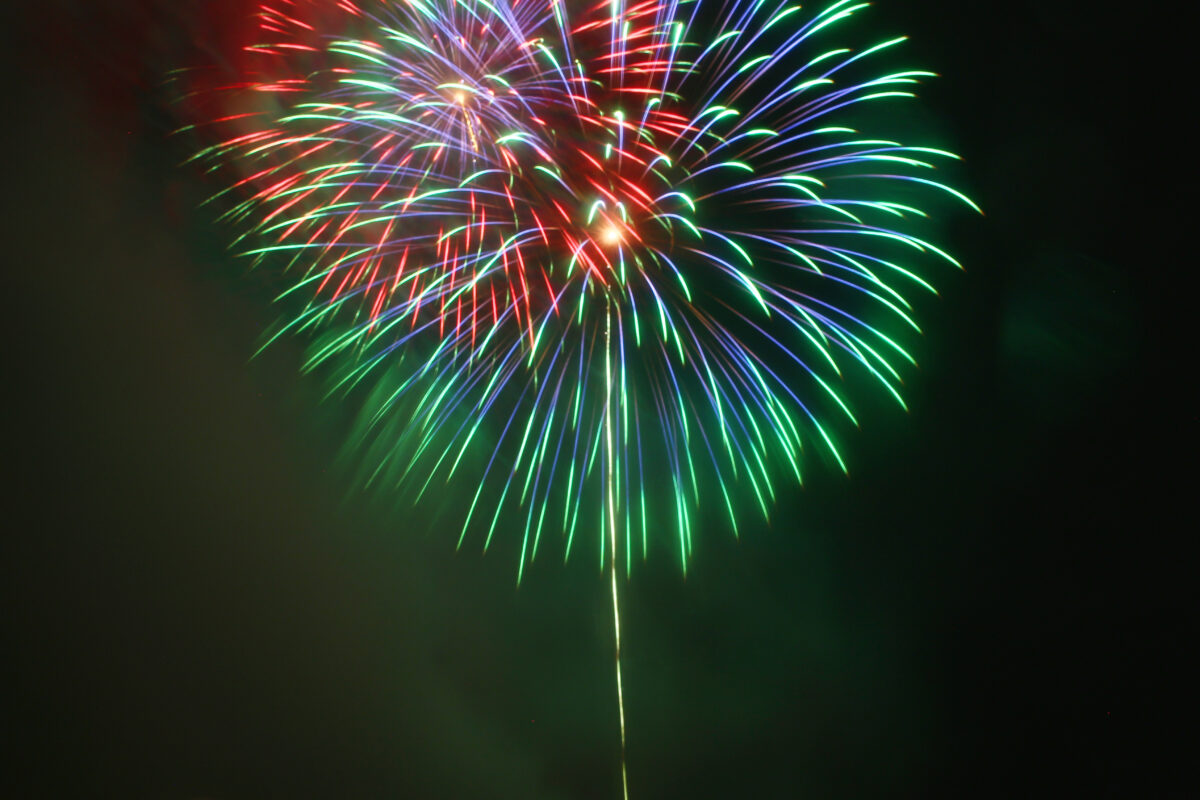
991	606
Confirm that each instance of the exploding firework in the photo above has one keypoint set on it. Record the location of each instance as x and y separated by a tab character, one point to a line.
605	265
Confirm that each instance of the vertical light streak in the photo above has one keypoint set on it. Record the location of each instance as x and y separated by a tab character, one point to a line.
611	493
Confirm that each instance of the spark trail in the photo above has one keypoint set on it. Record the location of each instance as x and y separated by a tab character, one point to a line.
611	492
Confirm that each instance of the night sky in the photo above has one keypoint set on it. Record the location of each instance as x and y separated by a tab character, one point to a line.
199	606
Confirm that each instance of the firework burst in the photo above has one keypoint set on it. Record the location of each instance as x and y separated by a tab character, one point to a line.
624	250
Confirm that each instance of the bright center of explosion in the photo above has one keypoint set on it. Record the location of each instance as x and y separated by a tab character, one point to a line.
610	235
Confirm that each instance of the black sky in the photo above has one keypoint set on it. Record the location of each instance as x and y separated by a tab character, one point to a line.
991	606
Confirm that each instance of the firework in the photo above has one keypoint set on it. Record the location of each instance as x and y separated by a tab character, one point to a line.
603	264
